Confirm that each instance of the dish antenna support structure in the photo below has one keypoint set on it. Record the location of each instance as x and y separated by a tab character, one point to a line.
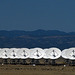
36	54
53	54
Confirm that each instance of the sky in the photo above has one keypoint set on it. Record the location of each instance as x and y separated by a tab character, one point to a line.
31	15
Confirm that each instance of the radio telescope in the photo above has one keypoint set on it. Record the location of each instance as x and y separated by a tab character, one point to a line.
46	57
23	53
65	56
36	53
12	53
45	54
71	53
53	53
64	53
3	53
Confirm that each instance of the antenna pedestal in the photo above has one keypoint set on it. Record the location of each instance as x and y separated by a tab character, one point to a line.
24	61
35	61
72	62
12	61
67	61
53	62
18	61
5	61
46	61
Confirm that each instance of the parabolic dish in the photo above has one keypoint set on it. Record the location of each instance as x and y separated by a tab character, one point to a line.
0	53
64	53
36	53
0	48
3	53
12	53
71	53
23	53
53	53
72	48
45	54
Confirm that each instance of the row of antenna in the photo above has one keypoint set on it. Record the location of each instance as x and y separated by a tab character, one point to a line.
37	53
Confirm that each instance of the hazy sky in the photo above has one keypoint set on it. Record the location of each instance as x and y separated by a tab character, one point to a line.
37	14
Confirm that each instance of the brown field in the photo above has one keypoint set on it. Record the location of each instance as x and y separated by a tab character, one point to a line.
36	70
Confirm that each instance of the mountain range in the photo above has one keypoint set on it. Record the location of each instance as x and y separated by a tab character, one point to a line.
37	38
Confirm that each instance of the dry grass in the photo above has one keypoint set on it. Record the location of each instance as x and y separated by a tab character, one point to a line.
37	70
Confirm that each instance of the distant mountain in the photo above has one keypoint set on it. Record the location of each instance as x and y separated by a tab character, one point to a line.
34	33
37	38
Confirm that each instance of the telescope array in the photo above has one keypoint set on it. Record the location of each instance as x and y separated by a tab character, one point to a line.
37	53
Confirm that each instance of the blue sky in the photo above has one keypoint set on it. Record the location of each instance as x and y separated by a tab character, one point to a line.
37	14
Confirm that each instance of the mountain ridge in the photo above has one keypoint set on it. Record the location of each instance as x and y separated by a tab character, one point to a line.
38	38
34	33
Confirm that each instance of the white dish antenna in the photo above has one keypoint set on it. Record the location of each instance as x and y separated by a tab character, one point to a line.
0	53
23	53
36	53
72	48
45	54
3	53
12	53
53	53
71	53
64	53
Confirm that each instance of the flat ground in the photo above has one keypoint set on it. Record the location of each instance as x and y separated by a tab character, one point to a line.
36	70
